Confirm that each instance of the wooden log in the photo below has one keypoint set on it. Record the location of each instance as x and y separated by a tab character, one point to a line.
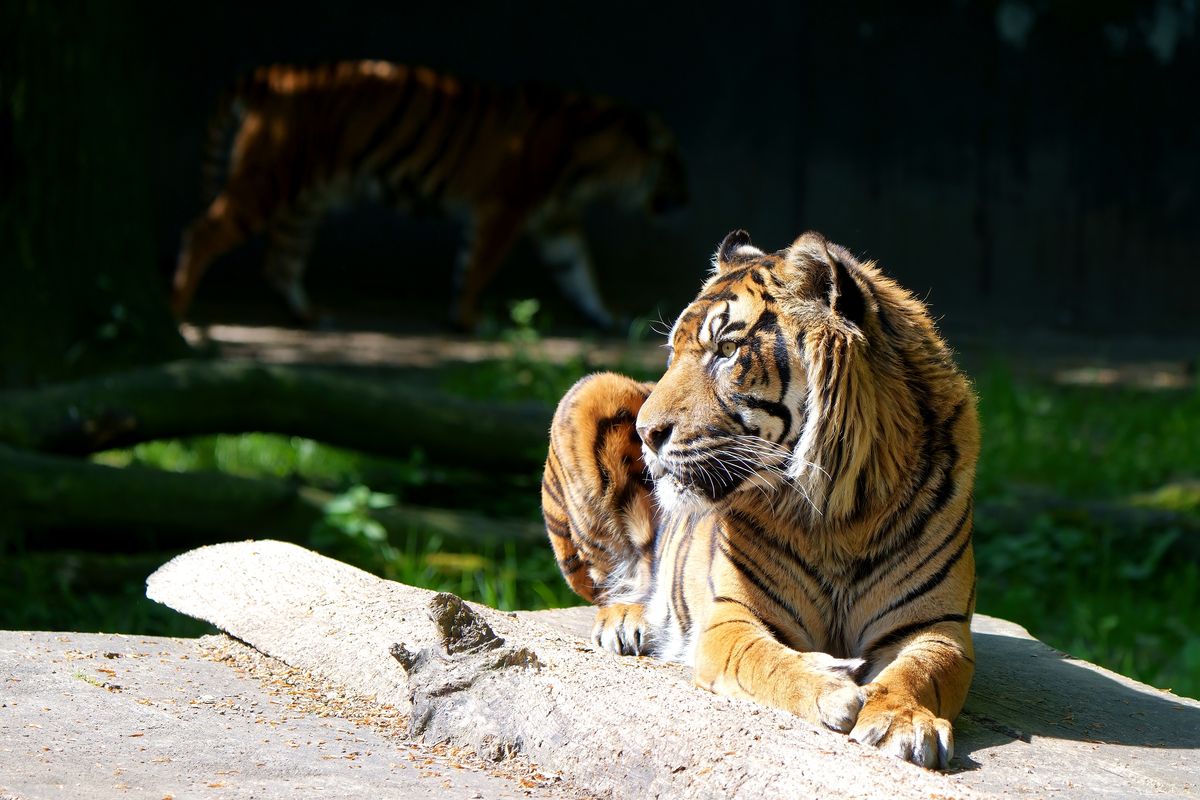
191	398
1036	722
85	504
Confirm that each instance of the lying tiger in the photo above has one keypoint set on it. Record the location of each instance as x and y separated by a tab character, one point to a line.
788	509
511	160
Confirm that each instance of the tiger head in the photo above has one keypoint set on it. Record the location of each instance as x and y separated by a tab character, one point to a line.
633	154
799	378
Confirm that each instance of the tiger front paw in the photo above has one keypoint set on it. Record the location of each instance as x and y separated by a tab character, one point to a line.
837	699
818	687
906	729
621	628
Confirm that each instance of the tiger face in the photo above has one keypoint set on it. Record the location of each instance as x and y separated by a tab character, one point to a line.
729	414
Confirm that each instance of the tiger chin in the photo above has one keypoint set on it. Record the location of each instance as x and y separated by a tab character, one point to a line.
788	509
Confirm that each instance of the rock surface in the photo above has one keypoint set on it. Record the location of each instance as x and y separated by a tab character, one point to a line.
1037	723
100	716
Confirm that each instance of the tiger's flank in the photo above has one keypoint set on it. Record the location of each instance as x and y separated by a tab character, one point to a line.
288	144
788	510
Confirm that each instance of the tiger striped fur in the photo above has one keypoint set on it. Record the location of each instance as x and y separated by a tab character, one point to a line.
509	160
796	522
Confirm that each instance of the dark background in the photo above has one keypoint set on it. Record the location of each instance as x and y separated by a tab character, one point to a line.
1022	165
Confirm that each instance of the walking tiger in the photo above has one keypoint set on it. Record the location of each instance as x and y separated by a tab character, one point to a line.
510	160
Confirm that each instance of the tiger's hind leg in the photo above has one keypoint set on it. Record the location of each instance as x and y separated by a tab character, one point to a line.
598	506
565	250
290	241
490	237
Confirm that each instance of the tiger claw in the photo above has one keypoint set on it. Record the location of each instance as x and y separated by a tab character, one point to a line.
621	629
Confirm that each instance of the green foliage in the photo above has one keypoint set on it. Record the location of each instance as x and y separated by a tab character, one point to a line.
1128	599
527	374
348	525
1095	592
264	455
507	577
1084	441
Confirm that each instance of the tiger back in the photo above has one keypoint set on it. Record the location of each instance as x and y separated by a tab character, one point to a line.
811	450
288	143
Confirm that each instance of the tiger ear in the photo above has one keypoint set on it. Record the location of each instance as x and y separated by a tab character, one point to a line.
828	270
735	248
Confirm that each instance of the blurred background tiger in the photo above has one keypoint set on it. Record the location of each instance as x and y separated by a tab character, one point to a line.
290	143
788	510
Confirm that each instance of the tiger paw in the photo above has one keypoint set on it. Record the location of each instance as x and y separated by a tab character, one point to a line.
904	728
622	629
836	701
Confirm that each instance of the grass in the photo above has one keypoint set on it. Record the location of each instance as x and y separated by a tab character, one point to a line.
1118	589
1094	579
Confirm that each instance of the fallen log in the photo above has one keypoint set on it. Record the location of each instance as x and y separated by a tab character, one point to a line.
1036	722
83	502
192	398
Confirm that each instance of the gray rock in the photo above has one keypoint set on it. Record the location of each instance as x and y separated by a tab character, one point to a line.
1037	723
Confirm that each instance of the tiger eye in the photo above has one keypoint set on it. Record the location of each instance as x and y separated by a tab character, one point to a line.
727	348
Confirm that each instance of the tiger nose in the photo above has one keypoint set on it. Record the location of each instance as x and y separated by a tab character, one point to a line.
655	436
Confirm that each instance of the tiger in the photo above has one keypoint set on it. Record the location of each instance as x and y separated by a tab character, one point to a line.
788	509
510	160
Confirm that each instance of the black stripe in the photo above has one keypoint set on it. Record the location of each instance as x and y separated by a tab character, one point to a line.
937	442
904	631
552	484
479	113
926	586
446	137
557	527
682	553
398	155
891	566
748	571
785	551
738	621
603	428
571	564
387	128
775	632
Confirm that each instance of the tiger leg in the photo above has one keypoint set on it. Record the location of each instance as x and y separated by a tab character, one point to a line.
565	250
911	702
598	507
291	236
737	654
492	234
218	231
